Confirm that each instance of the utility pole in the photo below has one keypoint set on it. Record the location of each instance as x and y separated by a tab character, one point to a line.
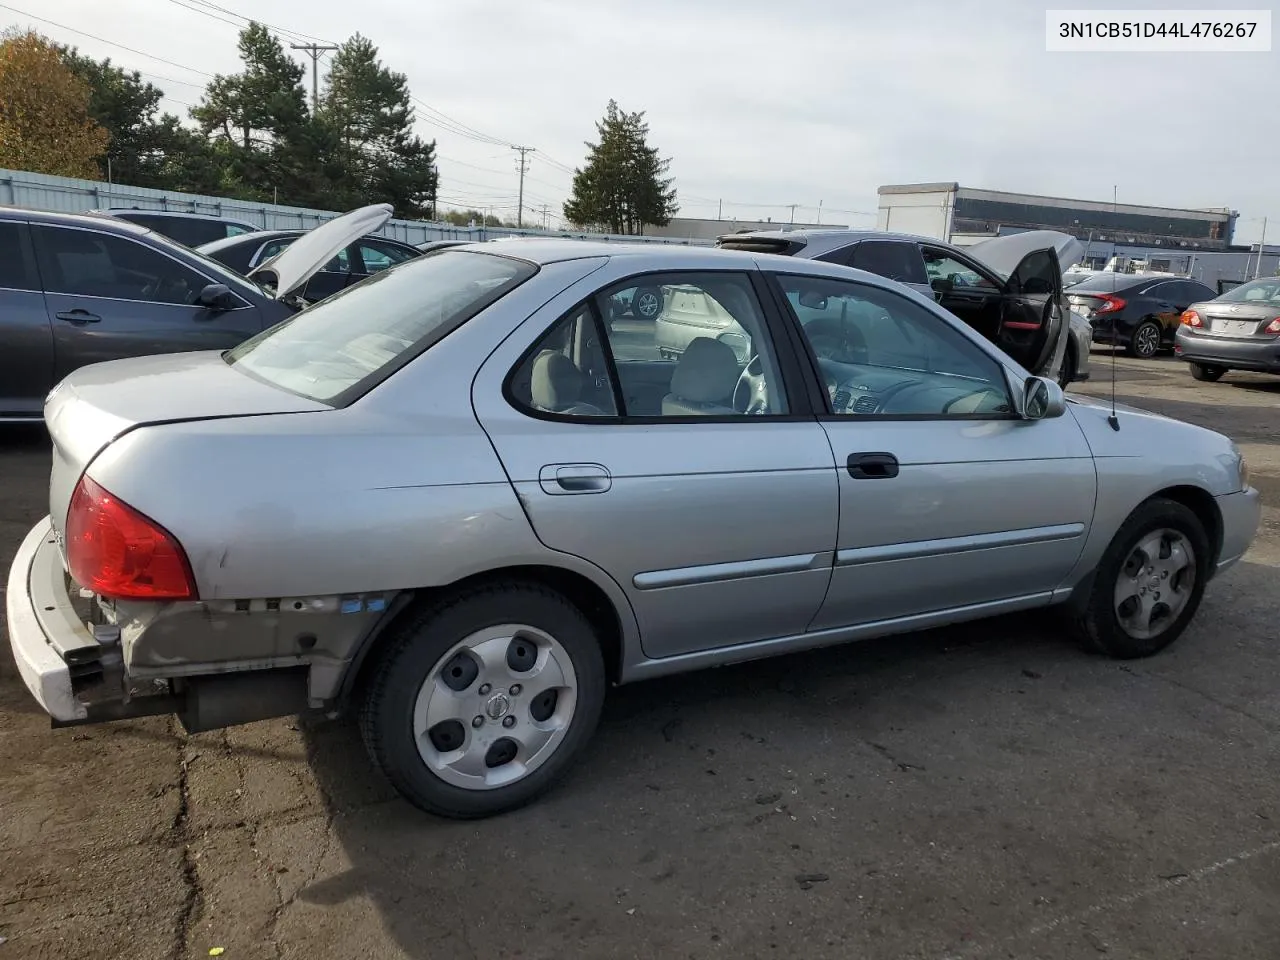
719	209
793	211
314	49
524	165
545	214
1258	268
819	211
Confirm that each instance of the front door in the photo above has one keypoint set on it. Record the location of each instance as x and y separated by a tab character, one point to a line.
1032	317
947	500
109	296
26	359
703	487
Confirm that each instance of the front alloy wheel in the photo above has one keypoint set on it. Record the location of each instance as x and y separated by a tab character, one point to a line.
1149	583
481	700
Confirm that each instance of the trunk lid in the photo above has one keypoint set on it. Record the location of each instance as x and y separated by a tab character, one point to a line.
99	403
290	269
1243	321
1004	254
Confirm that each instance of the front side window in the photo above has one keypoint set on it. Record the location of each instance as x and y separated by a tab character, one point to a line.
90	264
339	264
331	350
380	256
707	353
946	269
882	354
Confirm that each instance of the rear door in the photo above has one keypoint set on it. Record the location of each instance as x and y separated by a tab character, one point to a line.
710	498
110	296
26	338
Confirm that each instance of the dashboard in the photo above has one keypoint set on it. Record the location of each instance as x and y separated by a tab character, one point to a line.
864	389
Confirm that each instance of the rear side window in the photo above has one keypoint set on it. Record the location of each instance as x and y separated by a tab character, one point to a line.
338	348
17	269
894	259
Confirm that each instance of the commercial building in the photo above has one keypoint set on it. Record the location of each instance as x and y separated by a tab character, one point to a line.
1125	237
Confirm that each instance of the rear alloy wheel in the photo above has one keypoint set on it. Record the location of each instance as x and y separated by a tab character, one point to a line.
1206	372
1145	342
483	700
646	303
1149	583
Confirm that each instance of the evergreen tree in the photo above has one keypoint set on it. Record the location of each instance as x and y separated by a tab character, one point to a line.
622	186
368	107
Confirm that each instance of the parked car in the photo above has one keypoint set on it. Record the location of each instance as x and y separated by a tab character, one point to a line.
979	284
440	245
76	290
361	258
1139	314
189	229
1239	330
452	500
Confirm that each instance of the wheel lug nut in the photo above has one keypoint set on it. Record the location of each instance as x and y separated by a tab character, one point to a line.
508	721
485	688
477	721
515	689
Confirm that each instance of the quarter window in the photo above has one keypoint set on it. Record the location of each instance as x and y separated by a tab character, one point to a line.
91	264
895	259
687	345
881	354
16	270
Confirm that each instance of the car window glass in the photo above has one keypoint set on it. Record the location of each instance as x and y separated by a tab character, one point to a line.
339	264
942	267
16	271
91	264
895	259
234	230
881	354
380	256
683	345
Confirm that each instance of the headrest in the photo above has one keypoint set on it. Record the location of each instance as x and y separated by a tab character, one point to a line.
556	382
707	372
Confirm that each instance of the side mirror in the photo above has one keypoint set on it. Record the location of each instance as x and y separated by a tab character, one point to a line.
216	296
1042	399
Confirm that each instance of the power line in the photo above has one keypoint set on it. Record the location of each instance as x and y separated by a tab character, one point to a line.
110	43
270	26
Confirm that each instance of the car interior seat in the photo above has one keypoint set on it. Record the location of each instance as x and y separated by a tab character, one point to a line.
703	382
557	386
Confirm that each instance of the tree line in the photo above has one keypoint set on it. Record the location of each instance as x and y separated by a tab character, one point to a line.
255	135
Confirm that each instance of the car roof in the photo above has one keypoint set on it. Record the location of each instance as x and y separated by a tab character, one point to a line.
182	214
831	233
95	218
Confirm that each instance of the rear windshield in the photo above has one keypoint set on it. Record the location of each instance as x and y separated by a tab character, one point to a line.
1266	291
335	349
1108	283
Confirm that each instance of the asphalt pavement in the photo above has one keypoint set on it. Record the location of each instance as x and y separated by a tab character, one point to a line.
986	791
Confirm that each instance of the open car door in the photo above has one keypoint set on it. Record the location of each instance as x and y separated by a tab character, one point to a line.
1031	314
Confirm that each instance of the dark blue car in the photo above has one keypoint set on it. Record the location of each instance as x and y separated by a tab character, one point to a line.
80	289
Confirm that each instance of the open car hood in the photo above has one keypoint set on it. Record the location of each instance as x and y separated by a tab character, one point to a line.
1003	254
289	270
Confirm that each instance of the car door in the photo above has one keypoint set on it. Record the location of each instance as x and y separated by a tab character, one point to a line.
110	296
964	288
948	501
26	360
717	522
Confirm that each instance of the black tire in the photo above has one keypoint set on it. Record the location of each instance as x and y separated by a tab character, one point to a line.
1140	343
643	294
1099	626
1206	373
412	651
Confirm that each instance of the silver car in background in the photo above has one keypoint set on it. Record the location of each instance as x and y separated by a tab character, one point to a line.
457	502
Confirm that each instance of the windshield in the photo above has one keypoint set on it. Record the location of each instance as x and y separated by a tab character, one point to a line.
1266	290
376	326
220	271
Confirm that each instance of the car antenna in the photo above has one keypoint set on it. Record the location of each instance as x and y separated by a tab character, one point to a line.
1113	420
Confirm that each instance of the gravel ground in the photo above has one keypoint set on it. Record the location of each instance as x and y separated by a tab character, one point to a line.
979	792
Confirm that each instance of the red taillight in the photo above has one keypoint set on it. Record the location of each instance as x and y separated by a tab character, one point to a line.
1190	318
1273	326
1111	303
114	550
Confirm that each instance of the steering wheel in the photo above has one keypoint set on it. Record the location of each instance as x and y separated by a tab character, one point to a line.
750	396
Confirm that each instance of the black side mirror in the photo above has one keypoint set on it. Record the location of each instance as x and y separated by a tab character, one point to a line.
216	296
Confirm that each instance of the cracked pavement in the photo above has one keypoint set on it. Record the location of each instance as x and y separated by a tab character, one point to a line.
978	792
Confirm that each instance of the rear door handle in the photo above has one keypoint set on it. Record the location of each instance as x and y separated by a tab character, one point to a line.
78	316
559	479
872	466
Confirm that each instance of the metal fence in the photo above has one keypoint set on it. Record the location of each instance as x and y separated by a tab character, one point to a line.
39	191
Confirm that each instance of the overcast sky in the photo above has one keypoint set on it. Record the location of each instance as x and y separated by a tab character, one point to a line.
764	104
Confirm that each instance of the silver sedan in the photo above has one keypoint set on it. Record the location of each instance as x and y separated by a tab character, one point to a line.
459	503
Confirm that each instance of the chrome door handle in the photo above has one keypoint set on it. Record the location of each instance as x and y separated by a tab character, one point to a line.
558	479
78	316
